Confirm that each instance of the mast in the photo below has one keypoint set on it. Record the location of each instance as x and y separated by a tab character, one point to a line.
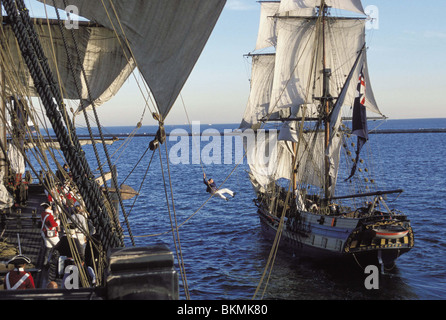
326	99
294	169
3	154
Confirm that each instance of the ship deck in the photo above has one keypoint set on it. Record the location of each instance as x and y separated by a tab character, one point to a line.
24	223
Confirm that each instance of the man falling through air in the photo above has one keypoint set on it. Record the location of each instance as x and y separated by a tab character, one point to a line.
213	189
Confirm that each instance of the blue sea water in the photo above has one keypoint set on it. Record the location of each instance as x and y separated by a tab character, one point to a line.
221	242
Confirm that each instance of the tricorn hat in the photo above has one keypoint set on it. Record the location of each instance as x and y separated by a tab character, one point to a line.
45	204
19	260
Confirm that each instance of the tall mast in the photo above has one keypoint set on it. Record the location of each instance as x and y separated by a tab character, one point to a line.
3	141
326	98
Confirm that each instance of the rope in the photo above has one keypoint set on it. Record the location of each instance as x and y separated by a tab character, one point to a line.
114	179
50	96
201	206
142	182
190	126
175	237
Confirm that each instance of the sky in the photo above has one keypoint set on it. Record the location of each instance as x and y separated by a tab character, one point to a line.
405	56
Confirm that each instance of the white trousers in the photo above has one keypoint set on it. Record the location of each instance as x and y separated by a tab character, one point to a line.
49	242
220	193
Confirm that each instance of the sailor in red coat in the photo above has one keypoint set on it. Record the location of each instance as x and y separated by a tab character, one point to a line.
50	226
19	279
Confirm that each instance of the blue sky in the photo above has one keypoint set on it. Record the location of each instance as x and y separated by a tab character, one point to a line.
406	62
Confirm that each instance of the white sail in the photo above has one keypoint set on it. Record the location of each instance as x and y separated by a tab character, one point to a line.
101	56
166	37
261	83
268	158
310	147
267	36
262	71
307	7
16	159
298	68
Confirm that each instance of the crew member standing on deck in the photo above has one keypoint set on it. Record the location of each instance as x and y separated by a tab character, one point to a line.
19	279
212	188
50	226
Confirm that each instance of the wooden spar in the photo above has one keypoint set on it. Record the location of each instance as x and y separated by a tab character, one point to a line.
45	21
360	195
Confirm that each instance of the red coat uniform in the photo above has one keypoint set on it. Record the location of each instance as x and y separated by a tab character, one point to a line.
48	223
18	279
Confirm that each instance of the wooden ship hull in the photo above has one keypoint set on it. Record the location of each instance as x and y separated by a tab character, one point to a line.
324	237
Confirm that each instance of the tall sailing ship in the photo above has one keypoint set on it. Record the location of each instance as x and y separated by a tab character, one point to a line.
54	70
310	80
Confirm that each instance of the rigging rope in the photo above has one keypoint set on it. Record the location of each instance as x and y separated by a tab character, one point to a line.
113	174
44	83
176	237
192	133
142	182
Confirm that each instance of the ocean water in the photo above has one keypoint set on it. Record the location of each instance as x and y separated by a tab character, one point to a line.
223	248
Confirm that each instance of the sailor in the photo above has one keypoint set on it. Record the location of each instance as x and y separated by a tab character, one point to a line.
80	227
212	188
50	226
19	279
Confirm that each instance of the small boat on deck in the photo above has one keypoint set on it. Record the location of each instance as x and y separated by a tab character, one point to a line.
391	232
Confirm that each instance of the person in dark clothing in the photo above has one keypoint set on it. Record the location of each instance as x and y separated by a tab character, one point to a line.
213	189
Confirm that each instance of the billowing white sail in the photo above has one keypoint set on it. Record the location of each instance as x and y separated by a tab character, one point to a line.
267	36
166	37
262	71
268	158
309	51
261	83
298	68
101	56
310	153
307	7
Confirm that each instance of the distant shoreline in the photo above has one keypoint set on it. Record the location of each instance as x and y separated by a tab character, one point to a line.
383	131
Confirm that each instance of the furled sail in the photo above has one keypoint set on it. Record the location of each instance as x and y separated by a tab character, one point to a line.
307	7
102	56
166	37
